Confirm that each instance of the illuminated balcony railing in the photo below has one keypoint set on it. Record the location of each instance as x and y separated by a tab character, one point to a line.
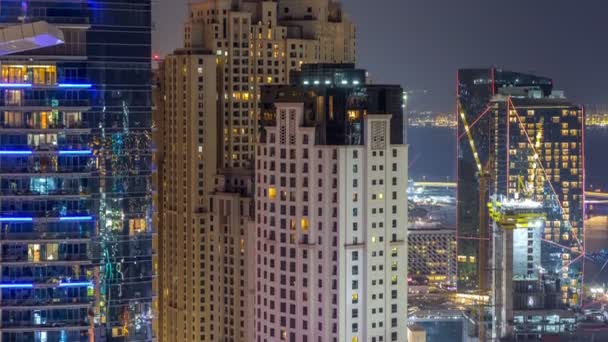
46	304
18	326
47	127
51	86
51	283
46	104
31	195
60	258
48	170
45	237
46	149
46	216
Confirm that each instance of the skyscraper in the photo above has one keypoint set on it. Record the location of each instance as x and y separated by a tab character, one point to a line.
209	114
539	148
432	256
331	210
260	42
475	89
75	164
526	300
525	144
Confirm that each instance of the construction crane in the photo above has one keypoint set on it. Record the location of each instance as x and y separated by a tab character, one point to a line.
486	178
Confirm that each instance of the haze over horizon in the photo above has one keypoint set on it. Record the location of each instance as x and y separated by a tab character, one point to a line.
421	43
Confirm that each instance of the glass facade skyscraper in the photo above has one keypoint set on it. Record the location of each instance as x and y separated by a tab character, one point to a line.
520	141
475	89
540	143
75	165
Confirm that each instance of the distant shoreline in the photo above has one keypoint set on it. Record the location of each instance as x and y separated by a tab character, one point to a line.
599	128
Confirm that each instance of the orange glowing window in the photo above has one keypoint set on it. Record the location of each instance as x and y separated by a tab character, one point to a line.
304	225
272	193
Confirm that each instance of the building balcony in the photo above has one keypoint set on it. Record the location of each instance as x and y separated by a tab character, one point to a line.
30	195
354	245
45	237
27	105
12	260
54	326
397	242
50	170
45	216
12	13
28	304
56	300
71	130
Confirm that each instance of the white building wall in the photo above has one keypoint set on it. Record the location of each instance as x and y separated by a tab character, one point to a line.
347	231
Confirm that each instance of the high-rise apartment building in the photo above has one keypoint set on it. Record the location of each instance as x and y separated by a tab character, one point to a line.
475	89
520	140
75	165
210	93
432	256
331	211
258	43
526	300
538	144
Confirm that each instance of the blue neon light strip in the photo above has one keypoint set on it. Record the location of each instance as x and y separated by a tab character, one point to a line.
76	284
16	219
75	152
15	85
29	286
30	219
15	152
72	85
76	218
16	286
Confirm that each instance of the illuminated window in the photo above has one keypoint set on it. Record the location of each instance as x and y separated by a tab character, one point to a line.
42	185
355	297
52	251
33	252
304	224
272	193
137	226
462	258
43	74
353	115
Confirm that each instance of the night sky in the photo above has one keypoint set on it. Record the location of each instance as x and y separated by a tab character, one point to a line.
421	43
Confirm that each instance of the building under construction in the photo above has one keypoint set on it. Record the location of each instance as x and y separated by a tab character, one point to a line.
520	144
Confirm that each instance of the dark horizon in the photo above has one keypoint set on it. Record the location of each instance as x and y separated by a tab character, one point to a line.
435	38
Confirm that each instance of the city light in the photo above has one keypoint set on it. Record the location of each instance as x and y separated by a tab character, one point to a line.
15	153
75	152
76	284
16	286
16	219
72	85
76	218
15	85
